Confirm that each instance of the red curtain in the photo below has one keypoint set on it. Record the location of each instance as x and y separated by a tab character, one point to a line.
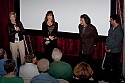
6	6
120	10
68	46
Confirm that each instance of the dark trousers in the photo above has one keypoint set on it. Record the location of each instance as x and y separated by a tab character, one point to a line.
86	58
112	66
48	50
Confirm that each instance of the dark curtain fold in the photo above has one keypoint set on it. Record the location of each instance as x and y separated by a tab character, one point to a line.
120	10
6	6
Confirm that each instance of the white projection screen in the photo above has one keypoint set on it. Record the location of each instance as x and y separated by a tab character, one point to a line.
67	13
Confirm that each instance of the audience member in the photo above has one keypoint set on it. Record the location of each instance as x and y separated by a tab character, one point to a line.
29	69
3	52
9	67
83	73
59	69
43	77
2	60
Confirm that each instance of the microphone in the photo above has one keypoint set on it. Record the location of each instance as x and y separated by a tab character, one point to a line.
15	25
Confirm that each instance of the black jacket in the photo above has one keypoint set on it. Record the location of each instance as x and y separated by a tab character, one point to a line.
45	30
12	31
45	33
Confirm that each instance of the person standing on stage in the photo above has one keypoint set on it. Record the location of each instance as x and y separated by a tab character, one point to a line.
16	39
49	31
88	38
113	46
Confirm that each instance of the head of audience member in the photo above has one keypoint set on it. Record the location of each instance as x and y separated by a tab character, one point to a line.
9	66
83	71
30	58
49	16
43	65
85	20
56	54
12	16
115	19
1	53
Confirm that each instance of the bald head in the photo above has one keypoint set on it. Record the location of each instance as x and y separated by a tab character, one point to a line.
43	65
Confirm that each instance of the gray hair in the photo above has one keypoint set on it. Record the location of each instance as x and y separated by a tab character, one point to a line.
43	65
56	54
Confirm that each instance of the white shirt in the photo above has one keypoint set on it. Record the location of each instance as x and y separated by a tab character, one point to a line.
16	35
28	71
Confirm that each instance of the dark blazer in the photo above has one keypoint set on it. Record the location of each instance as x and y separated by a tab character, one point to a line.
88	38
12	31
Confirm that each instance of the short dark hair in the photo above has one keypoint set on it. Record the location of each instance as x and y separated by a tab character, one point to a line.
2	53
116	17
9	66
29	58
86	18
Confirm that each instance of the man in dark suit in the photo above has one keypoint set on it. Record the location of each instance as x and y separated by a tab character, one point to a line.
88	37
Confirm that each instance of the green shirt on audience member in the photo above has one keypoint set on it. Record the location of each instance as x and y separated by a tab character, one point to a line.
11	80
61	70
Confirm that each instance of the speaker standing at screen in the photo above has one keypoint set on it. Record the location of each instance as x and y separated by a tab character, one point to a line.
113	47
49	30
15	32
88	38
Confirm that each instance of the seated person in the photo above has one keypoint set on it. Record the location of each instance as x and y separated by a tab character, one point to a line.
59	69
29	69
83	73
3	53
43	77
2	60
9	67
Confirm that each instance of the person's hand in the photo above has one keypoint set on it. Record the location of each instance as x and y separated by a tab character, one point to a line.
107	50
47	42
17	29
51	37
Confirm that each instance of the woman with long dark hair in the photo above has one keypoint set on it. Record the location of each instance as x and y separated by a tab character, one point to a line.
49	30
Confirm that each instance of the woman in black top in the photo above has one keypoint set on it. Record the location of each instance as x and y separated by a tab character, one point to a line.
49	31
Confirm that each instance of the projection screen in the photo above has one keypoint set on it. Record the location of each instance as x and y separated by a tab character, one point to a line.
67	13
